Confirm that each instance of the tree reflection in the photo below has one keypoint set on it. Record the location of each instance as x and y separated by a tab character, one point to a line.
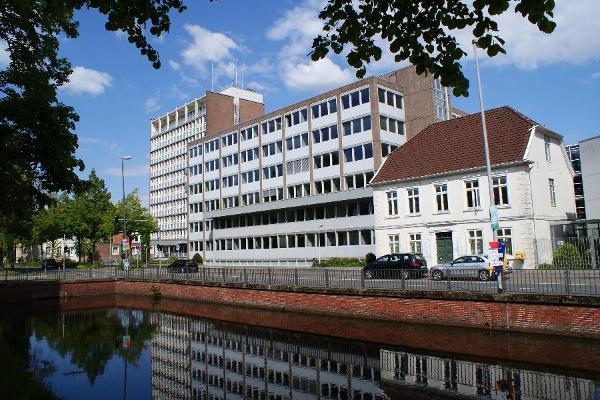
91	339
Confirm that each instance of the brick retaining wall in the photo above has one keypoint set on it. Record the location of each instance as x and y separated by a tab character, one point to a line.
480	312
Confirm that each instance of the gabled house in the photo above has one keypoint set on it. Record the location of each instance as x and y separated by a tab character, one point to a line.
431	194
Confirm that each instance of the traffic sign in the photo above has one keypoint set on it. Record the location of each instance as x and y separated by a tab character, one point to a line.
494	257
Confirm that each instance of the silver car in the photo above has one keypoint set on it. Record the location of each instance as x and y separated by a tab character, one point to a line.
463	267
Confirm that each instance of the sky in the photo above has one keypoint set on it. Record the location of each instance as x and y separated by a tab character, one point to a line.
554	79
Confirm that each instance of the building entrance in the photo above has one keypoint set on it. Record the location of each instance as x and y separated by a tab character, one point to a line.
444	247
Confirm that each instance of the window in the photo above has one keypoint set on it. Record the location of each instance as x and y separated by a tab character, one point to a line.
394	241
357	125
271	149
391	125
272	171
271	125
390	98
415	243
475	238
387	148
441	197
547	148
355	98
295	142
552	192
472	188
358	152
505	234
325	134
326	159
324	108
295	118
392	199
500	190
413	201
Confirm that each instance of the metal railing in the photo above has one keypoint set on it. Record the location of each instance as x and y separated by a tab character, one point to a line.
554	282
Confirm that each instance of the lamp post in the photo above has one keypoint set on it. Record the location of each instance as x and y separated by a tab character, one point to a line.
123	158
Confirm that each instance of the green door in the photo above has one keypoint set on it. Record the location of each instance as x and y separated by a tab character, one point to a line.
444	247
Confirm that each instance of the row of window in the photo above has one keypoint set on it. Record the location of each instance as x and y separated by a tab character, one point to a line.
390	98
473	197
325	108
298	141
338	210
273	171
211	185
249	133
211	165
230	181
323	239
356	153
326	159
325	134
229	140
297	166
296	117
391	125
196	188
271	125
195	151
230	160
271	149
211	145
355	98
195	169
251	176
250	154
357	125
387	148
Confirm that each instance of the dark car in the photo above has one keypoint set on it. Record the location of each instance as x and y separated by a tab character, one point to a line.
50	263
183	265
403	265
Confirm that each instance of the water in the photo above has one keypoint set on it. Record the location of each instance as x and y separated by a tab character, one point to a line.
130	353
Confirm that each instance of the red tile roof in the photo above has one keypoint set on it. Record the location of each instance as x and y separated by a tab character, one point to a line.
457	145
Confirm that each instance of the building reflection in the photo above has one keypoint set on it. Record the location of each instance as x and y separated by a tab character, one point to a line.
210	360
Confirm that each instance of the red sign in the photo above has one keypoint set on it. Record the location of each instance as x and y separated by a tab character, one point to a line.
493	245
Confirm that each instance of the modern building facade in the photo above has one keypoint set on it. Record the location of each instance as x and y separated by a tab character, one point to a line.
290	186
431	195
590	176
169	136
575	157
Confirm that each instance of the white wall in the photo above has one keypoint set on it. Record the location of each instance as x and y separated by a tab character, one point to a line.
589	151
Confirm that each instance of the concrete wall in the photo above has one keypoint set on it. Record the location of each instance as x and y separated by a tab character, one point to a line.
589	151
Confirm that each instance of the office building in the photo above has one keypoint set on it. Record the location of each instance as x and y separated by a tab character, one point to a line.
574	156
590	176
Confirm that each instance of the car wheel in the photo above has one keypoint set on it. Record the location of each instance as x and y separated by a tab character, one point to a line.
368	274
437	275
484	275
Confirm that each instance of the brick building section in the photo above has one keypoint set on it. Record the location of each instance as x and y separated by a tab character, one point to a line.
219	112
250	110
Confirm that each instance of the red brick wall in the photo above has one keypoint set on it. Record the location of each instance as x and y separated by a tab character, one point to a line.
219	112
583	321
250	110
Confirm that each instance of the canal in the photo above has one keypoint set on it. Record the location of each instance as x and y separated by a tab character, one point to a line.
130	353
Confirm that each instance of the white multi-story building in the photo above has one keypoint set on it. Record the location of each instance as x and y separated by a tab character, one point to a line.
431	195
291	186
169	137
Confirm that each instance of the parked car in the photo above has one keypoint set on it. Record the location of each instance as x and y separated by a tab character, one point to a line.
404	265
473	266
50	263
183	265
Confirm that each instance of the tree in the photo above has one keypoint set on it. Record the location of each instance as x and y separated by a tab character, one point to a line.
421	32
37	142
139	220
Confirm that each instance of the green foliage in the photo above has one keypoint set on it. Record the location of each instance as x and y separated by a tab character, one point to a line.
546	266
567	256
198	259
334	262
424	33
37	142
370	257
139	220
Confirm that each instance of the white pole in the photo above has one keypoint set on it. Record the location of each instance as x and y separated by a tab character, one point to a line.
64	253
485	140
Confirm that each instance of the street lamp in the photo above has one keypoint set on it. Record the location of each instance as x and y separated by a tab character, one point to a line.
126	261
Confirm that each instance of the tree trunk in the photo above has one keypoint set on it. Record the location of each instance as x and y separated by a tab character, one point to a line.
93	251
79	249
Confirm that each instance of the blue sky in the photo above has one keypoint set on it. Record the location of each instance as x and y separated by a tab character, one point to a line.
553	79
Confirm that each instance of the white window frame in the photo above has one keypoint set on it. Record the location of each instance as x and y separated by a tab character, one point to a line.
552	187
502	199
506	234
472	188
394	243
415	243
392	200
441	197
414	206
475	241
547	149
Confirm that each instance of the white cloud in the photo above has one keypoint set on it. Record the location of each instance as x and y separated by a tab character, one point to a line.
113	148
320	75
572	42
151	105
259	87
175	65
88	81
4	54
137	170
120	34
207	46
596	75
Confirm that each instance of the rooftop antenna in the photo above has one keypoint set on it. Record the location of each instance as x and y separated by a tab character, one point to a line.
236	75
242	78
212	77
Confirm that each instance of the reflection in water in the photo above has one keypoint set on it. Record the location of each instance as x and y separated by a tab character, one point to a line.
123	353
196	359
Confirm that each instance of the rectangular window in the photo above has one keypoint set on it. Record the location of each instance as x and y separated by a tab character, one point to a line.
552	192
394	243
413	201
475	238
500	190
547	148
505	234
472	188
415	243
441	197
392	199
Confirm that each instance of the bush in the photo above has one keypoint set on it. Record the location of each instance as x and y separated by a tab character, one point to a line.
567	256
340	262
197	259
370	257
546	266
